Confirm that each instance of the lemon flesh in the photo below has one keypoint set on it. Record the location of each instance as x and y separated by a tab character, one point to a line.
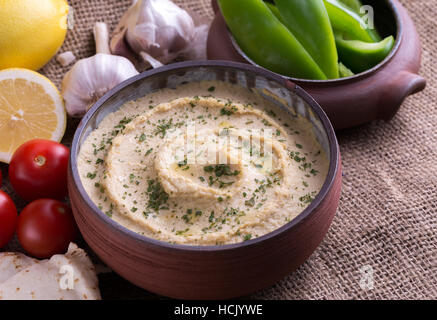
31	32
30	107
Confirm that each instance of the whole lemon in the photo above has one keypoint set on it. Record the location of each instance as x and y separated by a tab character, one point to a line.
31	32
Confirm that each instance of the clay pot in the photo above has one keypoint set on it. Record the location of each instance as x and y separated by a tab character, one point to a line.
207	272
375	94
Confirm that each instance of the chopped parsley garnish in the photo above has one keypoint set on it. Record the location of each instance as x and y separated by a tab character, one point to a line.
308	198
162	128
221	170
91	175
250	202
271	113
186	218
157	195
181	232
228	111
142	137
297	157
231	212
123	122
266	123
247	237
208	169
303	164
211	217
182	163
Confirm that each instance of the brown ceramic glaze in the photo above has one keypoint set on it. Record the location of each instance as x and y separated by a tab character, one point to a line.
375	94
206	272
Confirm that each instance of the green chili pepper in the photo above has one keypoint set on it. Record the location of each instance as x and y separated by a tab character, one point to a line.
309	23
267	41
344	71
274	9
345	20
360	56
355	6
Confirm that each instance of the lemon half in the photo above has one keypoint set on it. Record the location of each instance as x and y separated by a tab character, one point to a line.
31	107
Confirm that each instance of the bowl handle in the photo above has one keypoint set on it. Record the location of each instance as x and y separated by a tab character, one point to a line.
405	84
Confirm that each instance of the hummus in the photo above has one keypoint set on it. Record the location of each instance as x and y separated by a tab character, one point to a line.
207	163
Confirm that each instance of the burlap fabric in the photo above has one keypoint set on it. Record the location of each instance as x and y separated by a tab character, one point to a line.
386	225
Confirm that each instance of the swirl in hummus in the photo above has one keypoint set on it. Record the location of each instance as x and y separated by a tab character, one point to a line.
219	165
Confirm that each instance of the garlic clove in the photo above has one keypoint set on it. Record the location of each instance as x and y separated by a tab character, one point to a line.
120	47
118	43
66	58
197	49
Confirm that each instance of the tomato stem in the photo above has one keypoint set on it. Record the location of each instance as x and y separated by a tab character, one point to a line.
40	160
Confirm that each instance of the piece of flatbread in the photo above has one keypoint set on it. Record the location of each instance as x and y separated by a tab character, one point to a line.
12	263
64	277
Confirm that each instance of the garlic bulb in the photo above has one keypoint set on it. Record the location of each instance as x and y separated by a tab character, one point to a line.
90	78
197	50
155	30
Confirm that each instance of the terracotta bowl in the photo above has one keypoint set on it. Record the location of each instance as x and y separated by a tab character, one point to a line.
375	94
207	272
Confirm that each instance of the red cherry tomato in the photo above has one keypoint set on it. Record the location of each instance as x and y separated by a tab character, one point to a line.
46	227
38	169
8	219
0	178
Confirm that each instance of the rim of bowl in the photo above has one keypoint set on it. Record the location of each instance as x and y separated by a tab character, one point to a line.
399	36
329	180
